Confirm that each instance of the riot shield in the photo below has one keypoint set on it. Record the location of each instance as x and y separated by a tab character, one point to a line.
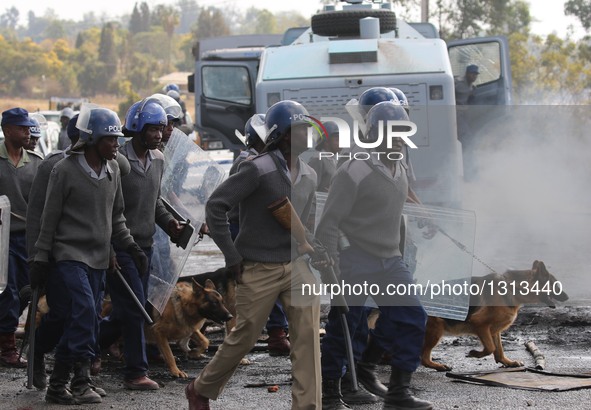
441	265
190	176
4	240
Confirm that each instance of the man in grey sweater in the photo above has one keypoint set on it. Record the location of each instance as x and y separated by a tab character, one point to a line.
264	269
17	170
145	121
83	213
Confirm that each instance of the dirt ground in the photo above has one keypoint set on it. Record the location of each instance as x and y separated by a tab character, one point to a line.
562	334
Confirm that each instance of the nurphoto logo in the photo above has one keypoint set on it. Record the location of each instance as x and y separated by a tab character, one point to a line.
388	131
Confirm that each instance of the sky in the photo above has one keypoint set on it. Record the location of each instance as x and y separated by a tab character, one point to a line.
548	15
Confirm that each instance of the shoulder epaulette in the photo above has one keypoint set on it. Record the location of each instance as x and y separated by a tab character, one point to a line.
35	153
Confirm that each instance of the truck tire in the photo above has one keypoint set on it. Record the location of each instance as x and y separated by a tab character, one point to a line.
346	22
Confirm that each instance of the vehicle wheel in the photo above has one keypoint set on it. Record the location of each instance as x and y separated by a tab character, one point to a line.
346	22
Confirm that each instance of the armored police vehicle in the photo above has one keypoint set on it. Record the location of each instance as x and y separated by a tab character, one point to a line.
342	54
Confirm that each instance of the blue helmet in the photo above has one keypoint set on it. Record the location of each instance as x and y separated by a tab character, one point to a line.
281	116
378	116
172	108
142	113
171	86
401	96
250	133
373	96
96	122
40	124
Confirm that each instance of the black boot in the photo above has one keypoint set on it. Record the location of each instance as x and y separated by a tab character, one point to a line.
39	374
399	396
367	366
81	384
360	396
331	395
57	391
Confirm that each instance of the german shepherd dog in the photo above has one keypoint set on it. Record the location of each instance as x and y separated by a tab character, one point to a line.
225	285
184	314
492	313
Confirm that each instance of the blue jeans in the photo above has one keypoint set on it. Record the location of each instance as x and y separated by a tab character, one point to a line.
126	317
400	329
18	277
72	292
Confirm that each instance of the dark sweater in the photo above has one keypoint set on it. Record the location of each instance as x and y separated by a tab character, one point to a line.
82	215
37	199
15	183
141	192
234	213
257	183
365	202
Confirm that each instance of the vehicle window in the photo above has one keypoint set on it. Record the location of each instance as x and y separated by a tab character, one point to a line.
487	56
226	83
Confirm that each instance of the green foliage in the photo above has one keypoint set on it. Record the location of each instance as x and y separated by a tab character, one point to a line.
211	23
130	98
472	18
581	9
90	56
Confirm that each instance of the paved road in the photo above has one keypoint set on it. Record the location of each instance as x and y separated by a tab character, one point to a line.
563	335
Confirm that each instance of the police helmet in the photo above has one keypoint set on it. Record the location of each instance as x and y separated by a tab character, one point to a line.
402	98
379	115
373	96
332	130
142	113
174	94
250	133
172	108
171	86
281	116
96	122
40	124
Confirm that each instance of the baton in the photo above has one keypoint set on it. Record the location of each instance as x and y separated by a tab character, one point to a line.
32	325
329	276
134	297
288	218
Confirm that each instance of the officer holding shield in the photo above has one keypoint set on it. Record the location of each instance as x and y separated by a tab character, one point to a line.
145	121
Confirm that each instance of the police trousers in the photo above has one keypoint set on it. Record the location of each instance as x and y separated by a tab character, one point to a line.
263	284
400	328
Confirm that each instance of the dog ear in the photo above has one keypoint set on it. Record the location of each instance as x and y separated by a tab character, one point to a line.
539	269
209	285
197	288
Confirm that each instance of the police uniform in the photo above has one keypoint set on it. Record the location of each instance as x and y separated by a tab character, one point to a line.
269	273
141	191
15	183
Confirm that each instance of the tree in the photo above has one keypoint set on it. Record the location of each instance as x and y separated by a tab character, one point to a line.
9	19
168	18
472	18
581	9
189	13
145	13
135	21
107	53
211	23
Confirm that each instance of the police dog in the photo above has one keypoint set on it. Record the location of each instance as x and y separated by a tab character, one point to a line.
493	312
182	319
225	284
